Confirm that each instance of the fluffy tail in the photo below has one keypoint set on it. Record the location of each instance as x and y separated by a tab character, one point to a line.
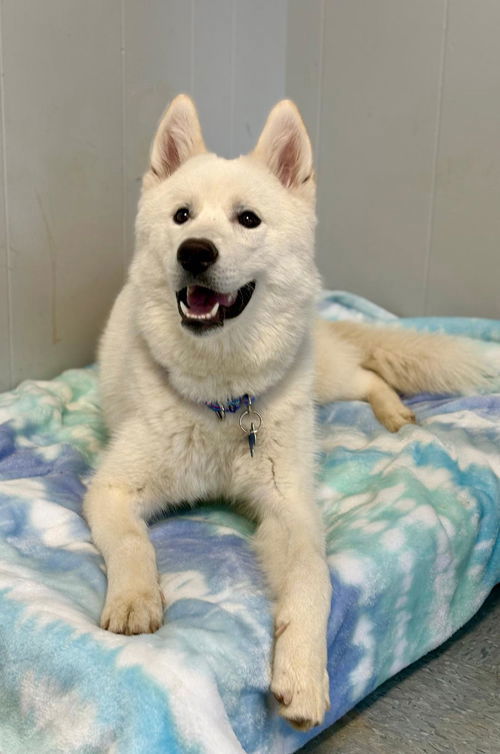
413	362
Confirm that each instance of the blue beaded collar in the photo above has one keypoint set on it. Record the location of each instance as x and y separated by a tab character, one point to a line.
232	406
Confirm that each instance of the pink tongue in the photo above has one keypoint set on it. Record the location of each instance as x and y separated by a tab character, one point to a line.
201	300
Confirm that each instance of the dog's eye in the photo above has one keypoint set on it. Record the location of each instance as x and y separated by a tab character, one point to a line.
182	215
248	219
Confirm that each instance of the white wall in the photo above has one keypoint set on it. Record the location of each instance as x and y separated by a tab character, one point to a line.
83	84
401	97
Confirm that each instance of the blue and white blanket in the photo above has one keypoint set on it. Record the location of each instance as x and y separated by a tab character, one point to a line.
413	544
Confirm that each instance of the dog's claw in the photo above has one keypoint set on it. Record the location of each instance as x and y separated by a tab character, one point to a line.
280	627
283	698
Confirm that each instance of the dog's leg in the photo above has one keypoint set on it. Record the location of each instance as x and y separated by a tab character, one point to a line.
289	541
341	376
117	500
360	384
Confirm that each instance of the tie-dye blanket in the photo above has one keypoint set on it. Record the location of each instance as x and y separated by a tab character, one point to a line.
413	543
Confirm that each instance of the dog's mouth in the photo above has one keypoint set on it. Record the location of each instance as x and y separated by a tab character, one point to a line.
202	308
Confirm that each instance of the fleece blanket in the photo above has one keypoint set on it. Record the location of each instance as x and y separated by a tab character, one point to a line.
413	545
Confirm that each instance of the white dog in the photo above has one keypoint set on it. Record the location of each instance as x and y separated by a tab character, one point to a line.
208	381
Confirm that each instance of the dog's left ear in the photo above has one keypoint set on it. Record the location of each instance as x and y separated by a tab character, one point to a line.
284	145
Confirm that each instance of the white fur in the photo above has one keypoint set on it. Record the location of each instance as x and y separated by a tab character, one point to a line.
167	447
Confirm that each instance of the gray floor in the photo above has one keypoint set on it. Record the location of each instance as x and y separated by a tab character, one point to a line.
447	702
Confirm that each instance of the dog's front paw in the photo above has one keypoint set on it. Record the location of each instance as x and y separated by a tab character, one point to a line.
300	687
133	611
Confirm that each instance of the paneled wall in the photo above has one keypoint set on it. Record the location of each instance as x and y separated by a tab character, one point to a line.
402	99
83	84
62	120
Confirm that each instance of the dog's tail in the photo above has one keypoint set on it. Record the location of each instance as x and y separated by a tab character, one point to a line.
413	362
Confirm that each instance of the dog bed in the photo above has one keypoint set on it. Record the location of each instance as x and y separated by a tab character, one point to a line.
413	545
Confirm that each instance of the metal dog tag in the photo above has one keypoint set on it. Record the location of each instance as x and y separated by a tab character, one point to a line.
250	423
252	437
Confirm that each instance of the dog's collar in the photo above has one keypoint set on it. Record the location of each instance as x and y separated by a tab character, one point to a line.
231	406
250	420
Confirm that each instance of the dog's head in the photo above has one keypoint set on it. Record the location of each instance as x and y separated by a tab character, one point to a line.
225	247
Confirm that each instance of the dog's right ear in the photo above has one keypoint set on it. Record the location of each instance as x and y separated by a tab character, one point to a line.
178	137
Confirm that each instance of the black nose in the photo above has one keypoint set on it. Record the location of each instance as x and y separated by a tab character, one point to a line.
196	255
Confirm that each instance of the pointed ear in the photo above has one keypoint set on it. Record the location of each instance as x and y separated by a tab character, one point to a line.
178	137
284	145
